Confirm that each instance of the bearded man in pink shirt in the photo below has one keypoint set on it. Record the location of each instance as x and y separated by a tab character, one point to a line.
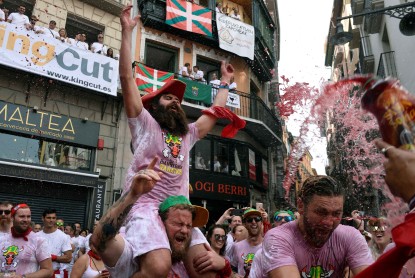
159	128
317	242
24	253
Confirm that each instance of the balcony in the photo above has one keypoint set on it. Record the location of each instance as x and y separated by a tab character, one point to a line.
261	123
153	15
358	6
373	22
366	58
387	65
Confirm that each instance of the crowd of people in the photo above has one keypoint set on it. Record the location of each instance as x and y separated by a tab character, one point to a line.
153	230
21	19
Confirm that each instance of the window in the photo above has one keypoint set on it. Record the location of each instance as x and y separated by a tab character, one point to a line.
76	24
39	151
266	30
239	158
161	57
209	67
221	157
202	154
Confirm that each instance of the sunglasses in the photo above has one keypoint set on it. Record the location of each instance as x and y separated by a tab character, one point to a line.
286	218
100	37
6	212
220	237
378	228
257	219
59	224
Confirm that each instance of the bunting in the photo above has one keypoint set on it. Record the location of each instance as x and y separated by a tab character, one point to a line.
190	17
149	79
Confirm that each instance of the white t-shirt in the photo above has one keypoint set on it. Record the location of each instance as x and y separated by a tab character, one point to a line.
184	69
86	243
96	47
199	76
79	44
58	242
18	19
50	33
2	15
238	17
23	256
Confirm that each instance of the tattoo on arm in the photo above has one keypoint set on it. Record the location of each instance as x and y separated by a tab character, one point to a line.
112	221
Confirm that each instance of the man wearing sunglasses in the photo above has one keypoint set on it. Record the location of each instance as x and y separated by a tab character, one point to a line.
282	217
5	218
242	253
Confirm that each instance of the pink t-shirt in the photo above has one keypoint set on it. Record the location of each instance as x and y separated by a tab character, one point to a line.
149	140
58	242
242	255
285	245
22	257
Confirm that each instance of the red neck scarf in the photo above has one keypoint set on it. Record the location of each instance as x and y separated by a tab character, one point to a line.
235	124
23	235
94	255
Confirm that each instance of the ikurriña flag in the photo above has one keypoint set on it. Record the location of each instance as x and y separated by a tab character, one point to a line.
149	79
189	17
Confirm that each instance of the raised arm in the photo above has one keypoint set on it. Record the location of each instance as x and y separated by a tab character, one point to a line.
205	123
105	239
131	95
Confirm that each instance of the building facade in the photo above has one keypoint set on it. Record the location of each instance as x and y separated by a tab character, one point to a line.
65	141
58	132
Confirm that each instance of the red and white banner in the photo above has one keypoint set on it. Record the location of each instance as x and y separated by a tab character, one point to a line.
252	167
25	50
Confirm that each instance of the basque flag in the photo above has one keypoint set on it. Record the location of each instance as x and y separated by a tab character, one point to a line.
189	17
149	79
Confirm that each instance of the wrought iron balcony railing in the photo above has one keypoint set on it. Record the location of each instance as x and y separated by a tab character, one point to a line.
387	65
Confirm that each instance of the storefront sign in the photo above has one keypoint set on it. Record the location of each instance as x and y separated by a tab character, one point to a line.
47	175
98	201
213	187
43	55
22	119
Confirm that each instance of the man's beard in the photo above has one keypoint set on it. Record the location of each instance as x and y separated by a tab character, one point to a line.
175	122
177	255
311	233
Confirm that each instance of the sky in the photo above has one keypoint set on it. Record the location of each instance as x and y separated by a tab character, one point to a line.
304	26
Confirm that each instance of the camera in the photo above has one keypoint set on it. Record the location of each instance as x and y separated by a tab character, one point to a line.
237	212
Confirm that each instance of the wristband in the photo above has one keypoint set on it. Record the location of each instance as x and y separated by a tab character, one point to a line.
223	87
223	83
53	257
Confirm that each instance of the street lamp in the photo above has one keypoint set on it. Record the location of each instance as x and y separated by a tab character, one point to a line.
404	12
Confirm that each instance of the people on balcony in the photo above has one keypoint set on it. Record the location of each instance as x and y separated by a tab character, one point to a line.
214	82
235	14
80	41
19	18
99	46
186	71
198	75
2	13
218	7
63	36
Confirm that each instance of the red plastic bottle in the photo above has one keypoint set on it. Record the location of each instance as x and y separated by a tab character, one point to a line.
394	109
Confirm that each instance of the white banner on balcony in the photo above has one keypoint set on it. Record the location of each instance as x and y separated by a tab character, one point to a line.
235	36
49	57
233	100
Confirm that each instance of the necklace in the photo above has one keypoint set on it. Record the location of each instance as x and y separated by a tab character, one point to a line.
93	261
